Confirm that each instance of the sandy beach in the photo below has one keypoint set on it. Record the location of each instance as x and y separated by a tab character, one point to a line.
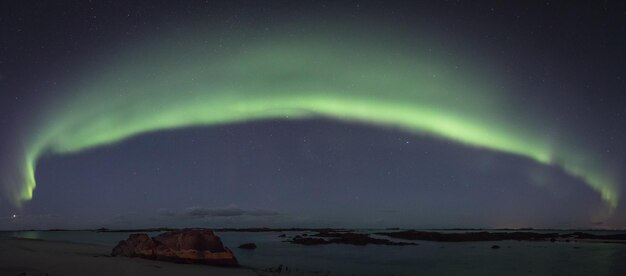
38	257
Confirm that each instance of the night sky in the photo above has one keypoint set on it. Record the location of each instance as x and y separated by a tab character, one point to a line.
126	114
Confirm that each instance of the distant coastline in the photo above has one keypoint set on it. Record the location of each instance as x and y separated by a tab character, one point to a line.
319	236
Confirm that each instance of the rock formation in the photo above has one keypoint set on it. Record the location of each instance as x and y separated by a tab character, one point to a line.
199	246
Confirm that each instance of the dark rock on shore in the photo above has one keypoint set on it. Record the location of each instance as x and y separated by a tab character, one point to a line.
248	246
183	246
342	238
308	241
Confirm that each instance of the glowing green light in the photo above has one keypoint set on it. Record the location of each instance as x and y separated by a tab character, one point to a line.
188	83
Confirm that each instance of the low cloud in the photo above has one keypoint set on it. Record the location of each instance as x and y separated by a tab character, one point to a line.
229	211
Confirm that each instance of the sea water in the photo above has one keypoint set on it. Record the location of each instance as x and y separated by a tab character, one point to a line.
426	258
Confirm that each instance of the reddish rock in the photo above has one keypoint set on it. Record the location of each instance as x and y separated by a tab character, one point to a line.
137	245
198	246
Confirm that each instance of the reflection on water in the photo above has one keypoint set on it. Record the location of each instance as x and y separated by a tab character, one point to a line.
35	235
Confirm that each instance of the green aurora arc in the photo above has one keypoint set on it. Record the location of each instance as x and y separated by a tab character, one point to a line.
189	82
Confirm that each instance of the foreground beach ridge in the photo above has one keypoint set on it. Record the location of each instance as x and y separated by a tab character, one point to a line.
39	257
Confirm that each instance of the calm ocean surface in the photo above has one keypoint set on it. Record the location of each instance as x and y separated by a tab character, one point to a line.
427	258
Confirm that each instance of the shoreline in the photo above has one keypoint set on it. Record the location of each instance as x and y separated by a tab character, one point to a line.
44	257
51	257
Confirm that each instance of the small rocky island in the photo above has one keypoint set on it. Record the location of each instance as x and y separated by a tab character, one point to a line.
341	237
195	246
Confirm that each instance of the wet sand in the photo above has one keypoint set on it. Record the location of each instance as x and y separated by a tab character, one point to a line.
36	257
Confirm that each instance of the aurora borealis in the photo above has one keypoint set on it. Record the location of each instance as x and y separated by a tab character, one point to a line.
384	77
292	81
